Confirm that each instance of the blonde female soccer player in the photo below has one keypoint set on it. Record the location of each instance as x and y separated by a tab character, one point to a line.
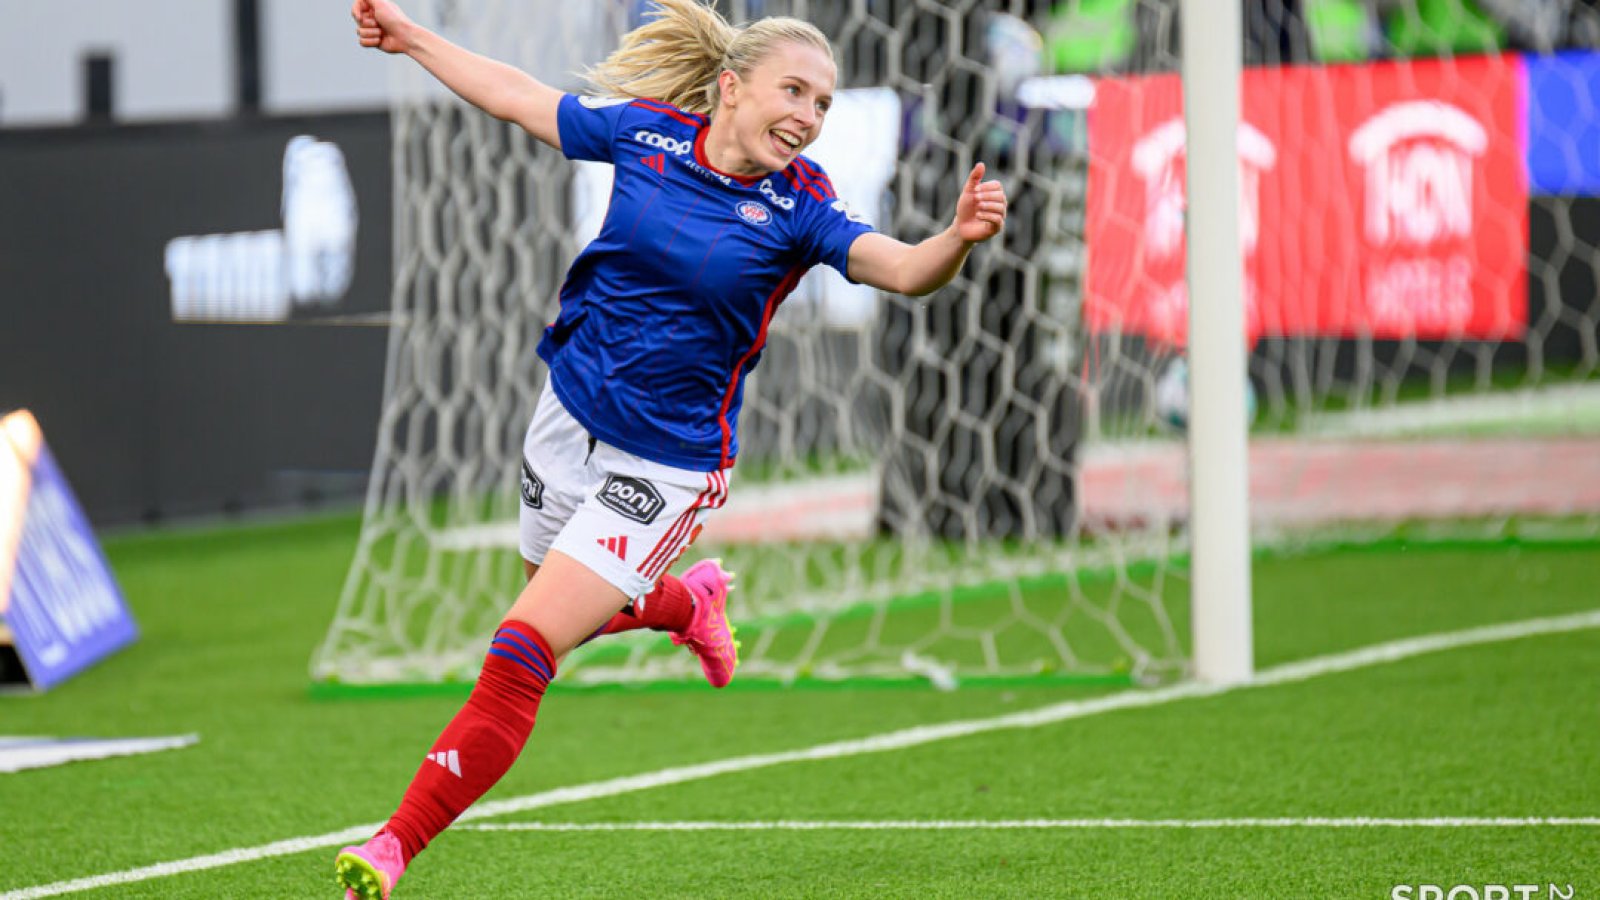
714	217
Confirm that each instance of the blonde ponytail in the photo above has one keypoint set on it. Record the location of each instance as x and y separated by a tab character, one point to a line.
677	56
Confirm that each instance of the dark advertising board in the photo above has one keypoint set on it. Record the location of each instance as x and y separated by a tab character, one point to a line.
116	241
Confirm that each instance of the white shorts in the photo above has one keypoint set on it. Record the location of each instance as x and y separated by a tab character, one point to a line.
628	519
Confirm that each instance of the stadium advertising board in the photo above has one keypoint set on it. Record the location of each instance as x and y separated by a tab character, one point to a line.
1386	201
1563	142
302	269
59	604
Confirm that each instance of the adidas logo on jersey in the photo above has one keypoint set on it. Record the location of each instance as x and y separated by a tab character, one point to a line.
657	163
617	545
448	759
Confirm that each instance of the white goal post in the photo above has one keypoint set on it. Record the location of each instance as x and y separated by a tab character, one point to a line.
1219	486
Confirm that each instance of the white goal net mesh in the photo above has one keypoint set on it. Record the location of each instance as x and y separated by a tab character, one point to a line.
989	483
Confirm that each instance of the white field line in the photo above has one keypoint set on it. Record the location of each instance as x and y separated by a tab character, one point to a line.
1040	824
1377	654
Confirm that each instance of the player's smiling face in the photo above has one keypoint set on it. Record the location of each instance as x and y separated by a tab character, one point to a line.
777	109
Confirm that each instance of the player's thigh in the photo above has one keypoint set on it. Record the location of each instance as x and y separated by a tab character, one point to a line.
566	601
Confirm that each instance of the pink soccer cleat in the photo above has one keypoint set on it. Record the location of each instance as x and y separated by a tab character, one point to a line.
368	872
709	634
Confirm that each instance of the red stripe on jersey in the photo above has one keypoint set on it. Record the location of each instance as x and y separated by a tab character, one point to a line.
817	177
783	290
798	176
684	117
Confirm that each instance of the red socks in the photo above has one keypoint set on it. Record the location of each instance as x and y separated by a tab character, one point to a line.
482	741
670	607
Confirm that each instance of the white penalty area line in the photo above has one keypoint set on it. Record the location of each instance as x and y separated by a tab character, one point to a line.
1361	658
1038	824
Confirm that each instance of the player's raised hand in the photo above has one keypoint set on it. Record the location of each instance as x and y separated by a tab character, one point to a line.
380	24
981	211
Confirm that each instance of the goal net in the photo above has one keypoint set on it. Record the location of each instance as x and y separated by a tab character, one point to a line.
990	483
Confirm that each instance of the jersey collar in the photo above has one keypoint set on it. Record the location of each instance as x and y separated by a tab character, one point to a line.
700	157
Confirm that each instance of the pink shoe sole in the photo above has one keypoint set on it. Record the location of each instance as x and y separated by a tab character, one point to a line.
369	872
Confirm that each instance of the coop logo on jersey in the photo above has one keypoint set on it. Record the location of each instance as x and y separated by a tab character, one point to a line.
1418	159
661	142
1161	164
753	212
532	488
632	498
784	203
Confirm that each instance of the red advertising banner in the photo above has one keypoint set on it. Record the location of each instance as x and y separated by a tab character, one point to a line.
1387	200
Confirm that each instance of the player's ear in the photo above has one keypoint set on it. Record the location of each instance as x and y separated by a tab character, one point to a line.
729	83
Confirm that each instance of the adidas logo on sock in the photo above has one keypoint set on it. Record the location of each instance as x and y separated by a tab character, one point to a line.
449	759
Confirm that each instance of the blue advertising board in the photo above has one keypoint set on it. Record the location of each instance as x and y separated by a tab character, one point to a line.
58	599
1564	124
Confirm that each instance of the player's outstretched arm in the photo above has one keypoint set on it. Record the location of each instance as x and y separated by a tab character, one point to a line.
890	265
502	91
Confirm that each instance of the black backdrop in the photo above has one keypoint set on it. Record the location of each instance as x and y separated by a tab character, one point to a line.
148	418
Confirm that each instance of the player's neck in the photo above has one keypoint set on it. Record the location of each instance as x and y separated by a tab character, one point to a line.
724	154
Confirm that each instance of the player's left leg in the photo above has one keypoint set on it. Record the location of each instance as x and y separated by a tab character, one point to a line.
671	605
694	611
709	634
562	466
641	520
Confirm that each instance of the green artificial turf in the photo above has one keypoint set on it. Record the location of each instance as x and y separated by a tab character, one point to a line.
229	618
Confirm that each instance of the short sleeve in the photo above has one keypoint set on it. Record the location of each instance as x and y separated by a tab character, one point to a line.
833	227
588	124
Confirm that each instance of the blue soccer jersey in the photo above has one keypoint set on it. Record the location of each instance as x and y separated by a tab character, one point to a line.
667	310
